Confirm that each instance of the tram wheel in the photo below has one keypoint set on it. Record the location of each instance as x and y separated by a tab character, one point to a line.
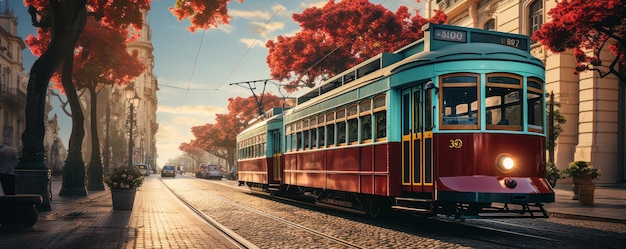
377	207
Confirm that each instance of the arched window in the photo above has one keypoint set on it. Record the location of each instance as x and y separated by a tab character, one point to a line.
535	17
490	25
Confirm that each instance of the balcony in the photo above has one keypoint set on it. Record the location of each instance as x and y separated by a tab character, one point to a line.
13	97
445	4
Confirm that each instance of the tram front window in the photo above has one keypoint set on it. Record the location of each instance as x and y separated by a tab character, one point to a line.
459	101
503	102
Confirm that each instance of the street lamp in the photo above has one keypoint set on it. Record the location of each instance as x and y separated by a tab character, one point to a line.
131	125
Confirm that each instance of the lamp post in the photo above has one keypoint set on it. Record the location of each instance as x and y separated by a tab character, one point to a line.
133	100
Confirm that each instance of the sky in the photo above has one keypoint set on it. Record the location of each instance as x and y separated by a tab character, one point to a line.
195	70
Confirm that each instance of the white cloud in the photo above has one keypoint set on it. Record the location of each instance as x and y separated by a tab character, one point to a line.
250	14
187	109
318	4
252	42
265	29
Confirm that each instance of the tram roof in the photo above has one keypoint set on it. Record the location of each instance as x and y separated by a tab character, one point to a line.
274	115
441	43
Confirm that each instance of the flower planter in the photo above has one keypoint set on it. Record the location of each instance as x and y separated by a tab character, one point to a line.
585	194
123	199
579	181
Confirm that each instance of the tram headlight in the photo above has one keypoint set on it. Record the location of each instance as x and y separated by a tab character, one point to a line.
505	163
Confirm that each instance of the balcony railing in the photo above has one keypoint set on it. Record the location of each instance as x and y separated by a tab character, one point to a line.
444	4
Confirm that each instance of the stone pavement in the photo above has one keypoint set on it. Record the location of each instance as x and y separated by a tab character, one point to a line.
609	203
159	220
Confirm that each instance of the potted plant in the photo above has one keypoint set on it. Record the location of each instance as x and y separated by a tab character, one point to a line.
123	182
583	175
552	174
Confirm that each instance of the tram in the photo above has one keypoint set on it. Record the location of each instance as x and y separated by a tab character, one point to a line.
453	124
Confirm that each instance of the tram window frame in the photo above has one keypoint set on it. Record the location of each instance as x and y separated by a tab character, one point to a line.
306	139
294	140
511	84
365	121
321	128
460	81
288	137
340	124
380	118
313	131
330	129
535	88
352	124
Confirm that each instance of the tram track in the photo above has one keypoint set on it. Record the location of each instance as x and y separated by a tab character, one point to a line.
459	229
364	232
229	234
275	220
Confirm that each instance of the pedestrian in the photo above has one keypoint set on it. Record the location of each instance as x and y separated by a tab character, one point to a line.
8	161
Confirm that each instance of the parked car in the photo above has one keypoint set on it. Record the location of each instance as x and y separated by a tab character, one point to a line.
232	175
210	171
168	171
143	168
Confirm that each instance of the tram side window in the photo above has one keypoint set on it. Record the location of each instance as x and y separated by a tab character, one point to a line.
306	139
322	131
535	105
366	127
460	101
330	131
299	141
380	118
353	130
341	132
313	138
381	124
294	142
503	101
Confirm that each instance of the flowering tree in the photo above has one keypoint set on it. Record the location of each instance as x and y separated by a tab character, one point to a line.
588	27
220	138
339	36
64	22
97	63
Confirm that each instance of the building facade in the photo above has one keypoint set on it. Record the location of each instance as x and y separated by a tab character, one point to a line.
593	106
12	81
115	118
13	85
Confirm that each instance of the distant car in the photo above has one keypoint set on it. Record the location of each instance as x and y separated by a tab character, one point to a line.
143	168
232	175
210	171
168	171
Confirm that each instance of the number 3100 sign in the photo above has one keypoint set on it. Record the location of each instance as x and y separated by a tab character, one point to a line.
450	35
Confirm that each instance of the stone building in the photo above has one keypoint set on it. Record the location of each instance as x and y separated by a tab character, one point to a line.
115	118
593	106
13	83
12	80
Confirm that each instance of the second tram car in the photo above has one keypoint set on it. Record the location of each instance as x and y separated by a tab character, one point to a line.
452	124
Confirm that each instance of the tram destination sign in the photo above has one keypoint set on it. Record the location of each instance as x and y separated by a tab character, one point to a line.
461	36
511	41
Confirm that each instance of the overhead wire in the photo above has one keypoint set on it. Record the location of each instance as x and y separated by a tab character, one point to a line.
248	50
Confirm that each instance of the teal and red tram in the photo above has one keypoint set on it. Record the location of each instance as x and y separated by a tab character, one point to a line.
452	124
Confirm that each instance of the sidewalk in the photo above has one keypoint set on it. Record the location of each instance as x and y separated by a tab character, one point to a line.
159	220
609	203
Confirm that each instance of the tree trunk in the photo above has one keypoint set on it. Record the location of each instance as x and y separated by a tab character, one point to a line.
95	168
74	173
70	18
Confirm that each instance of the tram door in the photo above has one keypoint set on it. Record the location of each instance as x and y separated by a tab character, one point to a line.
417	168
275	148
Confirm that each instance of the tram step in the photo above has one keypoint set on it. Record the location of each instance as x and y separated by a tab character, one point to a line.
421	210
346	209
413	199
